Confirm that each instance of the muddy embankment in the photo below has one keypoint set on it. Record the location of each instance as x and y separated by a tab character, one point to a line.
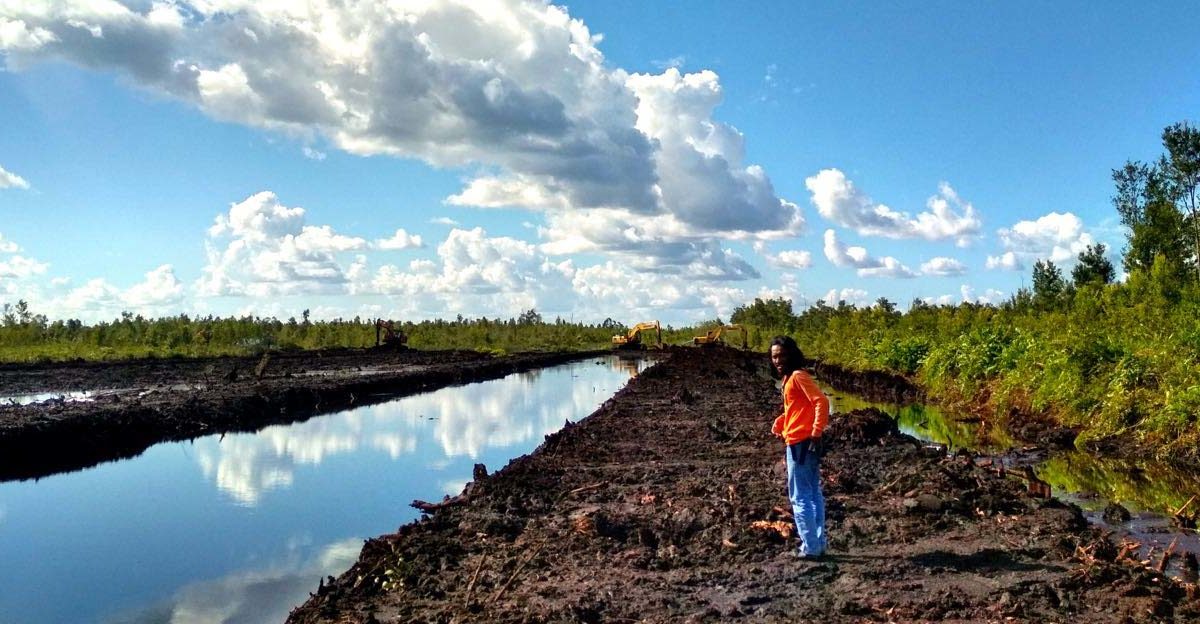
150	401
668	504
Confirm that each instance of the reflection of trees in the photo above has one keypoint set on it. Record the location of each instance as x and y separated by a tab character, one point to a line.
263	595
928	423
1150	486
924	422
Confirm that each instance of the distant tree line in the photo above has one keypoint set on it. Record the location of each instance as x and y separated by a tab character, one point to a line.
25	336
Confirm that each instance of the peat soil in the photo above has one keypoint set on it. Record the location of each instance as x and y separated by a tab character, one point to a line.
668	504
139	403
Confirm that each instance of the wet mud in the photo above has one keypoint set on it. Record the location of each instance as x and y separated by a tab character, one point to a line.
668	504
137	404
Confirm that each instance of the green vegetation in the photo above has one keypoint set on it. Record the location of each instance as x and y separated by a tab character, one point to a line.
1114	359
28	337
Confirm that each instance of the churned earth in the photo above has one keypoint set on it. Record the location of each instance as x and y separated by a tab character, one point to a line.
668	504
129	406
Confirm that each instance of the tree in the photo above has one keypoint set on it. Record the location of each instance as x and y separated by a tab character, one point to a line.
1159	205
23	314
768	313
1156	227
530	317
1093	267
1048	284
1181	168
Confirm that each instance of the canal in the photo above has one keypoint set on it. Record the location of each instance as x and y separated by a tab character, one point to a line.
241	527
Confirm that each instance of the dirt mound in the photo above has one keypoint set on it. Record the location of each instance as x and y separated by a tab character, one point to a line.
657	508
862	427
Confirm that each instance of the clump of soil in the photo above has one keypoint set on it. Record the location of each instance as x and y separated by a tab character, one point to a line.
668	504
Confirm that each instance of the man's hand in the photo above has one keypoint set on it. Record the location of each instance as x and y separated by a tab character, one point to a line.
816	446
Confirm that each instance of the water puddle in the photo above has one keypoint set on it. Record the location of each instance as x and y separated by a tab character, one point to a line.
241	527
47	397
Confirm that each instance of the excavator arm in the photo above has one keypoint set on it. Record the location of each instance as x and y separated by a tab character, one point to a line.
713	336
633	338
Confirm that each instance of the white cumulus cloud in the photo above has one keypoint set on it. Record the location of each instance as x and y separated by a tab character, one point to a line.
852	296
990	296
7	178
400	240
19	267
517	90
261	247
943	266
857	257
1007	260
787	259
160	288
948	217
1058	237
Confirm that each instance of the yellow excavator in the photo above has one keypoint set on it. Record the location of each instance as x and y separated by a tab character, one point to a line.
389	335
633	338
713	337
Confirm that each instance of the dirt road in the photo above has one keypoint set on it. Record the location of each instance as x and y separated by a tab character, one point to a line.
140	403
661	507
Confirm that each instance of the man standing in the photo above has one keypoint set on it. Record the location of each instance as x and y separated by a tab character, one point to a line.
805	414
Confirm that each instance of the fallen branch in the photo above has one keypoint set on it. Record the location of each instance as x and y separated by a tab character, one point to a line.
516	573
432	507
1162	563
890	484
586	487
474	577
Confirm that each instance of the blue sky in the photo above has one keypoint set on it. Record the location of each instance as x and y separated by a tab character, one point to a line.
601	159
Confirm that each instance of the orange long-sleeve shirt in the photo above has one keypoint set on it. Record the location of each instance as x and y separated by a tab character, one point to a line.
805	409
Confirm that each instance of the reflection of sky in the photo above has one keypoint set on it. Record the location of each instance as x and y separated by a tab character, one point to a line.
155	524
446	424
264	594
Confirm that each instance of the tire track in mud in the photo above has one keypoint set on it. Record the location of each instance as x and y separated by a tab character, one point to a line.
665	505
184	400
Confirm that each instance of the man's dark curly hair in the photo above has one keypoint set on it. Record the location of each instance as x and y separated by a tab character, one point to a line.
793	358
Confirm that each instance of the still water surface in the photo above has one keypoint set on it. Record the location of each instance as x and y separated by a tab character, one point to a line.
239	528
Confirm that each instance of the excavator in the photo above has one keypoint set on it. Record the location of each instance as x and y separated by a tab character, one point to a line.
388	334
633	338
713	337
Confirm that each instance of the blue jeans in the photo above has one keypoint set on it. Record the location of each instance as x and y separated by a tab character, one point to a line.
808	504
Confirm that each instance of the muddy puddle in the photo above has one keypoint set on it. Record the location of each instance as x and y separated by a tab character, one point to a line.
241	527
1148	492
47	397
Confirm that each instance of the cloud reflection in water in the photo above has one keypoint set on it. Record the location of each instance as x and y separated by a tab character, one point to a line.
452	422
263	595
